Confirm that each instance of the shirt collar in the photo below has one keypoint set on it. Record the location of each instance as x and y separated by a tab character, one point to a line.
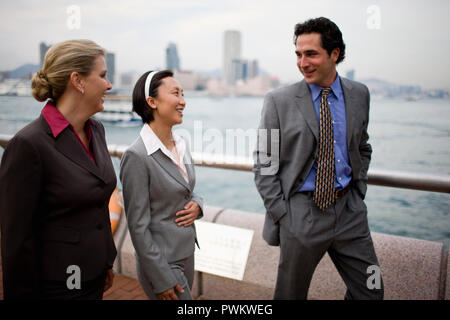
153	143
55	119
336	89
57	122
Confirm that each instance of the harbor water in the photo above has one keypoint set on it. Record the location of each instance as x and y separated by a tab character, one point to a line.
405	135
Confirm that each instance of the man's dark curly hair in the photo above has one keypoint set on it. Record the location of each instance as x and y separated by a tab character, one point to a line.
331	36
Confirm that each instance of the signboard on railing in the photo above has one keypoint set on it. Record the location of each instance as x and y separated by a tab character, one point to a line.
223	249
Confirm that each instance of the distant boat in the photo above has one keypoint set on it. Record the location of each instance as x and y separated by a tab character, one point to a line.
120	115
412	98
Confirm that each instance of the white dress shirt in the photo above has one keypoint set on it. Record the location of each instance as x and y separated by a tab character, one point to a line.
153	143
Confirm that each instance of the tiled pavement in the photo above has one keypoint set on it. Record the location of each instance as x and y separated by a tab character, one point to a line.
125	288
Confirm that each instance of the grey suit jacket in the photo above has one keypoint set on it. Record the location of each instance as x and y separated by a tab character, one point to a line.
284	159
154	190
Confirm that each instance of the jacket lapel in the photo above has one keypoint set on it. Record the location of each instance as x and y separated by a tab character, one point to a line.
350	108
68	145
101	153
305	104
190	169
170	167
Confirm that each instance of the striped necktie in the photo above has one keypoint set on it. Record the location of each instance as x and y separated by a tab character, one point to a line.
325	194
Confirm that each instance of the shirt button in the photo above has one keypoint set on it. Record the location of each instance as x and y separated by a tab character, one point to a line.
334	141
340	178
339	161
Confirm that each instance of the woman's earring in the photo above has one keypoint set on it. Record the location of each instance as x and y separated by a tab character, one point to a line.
82	91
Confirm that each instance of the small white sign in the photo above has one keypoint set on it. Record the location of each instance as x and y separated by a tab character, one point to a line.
223	249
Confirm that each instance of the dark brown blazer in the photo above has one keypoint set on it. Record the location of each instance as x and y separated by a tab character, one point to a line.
54	208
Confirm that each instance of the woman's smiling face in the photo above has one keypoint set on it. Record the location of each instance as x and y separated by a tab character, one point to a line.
96	85
169	104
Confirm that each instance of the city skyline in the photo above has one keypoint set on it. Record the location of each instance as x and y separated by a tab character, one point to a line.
410	48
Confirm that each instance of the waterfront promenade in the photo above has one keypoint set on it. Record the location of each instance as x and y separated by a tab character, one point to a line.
412	269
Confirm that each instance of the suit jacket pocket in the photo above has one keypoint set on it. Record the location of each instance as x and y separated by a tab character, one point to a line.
175	242
60	250
61	234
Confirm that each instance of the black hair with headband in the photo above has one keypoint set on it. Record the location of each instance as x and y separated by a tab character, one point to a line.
140	105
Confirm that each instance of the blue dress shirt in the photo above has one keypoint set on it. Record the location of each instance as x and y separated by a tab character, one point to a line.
343	171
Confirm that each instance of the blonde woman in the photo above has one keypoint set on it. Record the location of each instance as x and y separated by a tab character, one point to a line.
56	178
158	180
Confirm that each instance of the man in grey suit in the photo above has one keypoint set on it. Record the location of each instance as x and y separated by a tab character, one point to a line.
291	169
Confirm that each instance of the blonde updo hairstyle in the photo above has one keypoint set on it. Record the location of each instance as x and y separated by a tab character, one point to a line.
60	61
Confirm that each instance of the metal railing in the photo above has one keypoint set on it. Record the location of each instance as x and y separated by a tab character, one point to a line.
380	177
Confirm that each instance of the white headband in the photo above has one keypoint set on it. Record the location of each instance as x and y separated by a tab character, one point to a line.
147	83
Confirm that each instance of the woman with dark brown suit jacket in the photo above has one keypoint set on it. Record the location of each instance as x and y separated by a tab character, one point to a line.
56	178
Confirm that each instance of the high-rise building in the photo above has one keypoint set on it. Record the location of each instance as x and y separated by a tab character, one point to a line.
111	66
238	71
242	69
231	52
252	69
42	51
172	59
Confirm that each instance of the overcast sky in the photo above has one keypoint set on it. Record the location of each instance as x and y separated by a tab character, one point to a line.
405	42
